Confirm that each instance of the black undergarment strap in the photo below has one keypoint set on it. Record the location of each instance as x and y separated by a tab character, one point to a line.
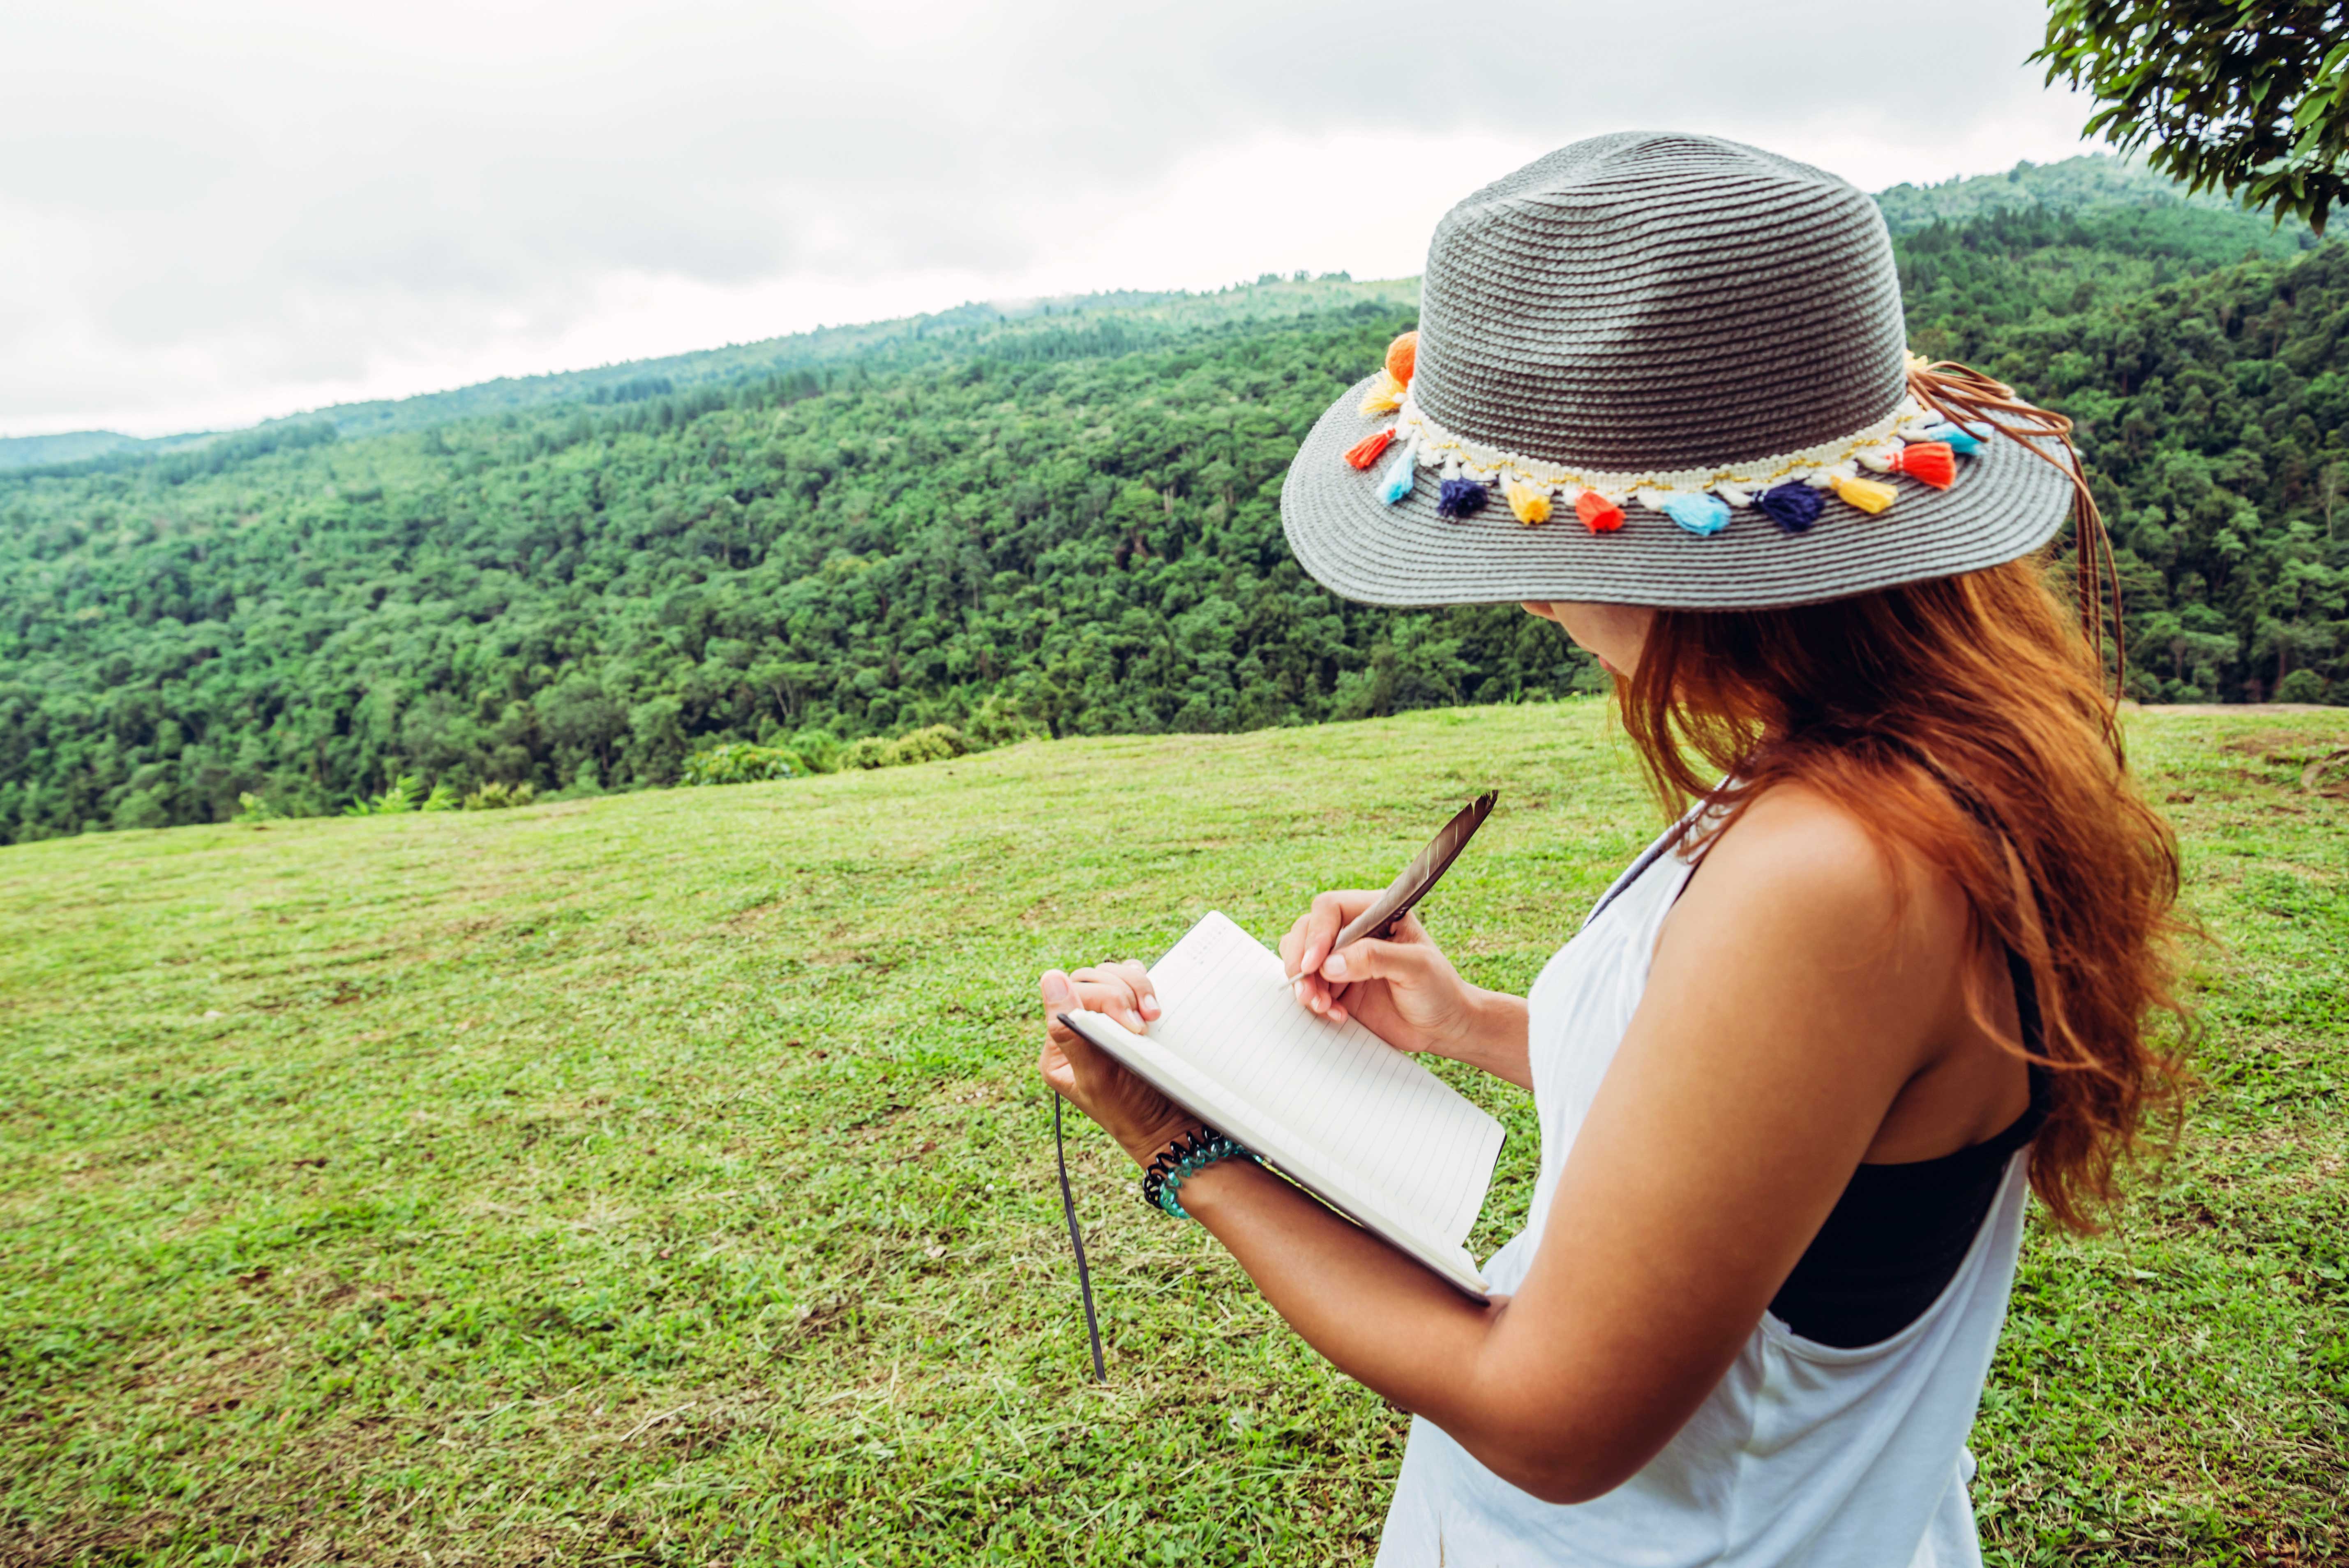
1077	1239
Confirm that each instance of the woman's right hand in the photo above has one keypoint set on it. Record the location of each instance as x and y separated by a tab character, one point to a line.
1403	990
1401	987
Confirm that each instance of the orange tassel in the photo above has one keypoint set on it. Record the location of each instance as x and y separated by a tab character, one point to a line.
1598	514
1928	462
1402	356
1365	452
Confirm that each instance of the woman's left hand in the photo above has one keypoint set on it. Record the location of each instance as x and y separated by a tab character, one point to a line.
1141	1119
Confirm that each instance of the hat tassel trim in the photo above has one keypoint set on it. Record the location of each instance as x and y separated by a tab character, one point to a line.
1920	437
1912	440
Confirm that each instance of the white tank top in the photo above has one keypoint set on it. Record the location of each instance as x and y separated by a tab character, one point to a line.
1805	1454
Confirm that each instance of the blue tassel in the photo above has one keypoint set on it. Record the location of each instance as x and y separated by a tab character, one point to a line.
1791	507
1963	441
1460	498
1398	482
1701	514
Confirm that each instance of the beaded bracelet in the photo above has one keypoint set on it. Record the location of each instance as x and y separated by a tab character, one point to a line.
1181	1160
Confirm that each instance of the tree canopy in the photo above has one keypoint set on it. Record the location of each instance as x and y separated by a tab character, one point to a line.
1071	528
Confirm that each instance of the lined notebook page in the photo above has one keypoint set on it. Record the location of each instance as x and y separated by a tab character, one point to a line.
1393	1127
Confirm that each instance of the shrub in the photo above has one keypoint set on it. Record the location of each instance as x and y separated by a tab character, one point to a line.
252	807
870	752
939	743
819	749
442	799
401	796
735	762
494	795
997	722
2301	685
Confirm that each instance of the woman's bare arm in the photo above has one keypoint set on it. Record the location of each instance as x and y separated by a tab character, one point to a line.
1793	992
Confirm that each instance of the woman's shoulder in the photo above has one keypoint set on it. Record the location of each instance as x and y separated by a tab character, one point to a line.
1818	868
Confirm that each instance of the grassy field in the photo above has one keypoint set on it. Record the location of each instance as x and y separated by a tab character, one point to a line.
662	1178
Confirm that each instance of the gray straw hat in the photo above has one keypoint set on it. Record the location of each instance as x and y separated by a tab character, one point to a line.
1658	369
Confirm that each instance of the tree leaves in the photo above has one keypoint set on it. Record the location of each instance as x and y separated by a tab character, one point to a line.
2239	96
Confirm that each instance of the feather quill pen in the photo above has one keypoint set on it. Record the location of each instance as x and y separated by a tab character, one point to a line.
1425	870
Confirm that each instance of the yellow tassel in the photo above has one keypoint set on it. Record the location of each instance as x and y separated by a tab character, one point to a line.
1530	502
1866	494
1386	396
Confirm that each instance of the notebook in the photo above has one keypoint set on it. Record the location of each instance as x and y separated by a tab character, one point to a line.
1333	1107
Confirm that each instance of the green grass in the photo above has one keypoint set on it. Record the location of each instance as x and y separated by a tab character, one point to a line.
663	1178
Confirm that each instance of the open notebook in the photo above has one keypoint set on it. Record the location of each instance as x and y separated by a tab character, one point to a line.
1354	1122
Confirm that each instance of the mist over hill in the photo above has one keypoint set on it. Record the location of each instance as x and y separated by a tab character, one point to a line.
1062	518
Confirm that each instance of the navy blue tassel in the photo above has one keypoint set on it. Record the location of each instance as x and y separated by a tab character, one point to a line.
1791	507
1460	498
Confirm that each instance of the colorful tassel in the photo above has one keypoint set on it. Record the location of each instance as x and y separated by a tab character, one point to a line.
1402	358
1928	462
1460	498
1401	474
1701	514
1598	514
1957	439
1385	396
1529	502
1793	507
1868	495
1365	452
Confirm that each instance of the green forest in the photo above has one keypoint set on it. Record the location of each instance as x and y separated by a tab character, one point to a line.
1065	522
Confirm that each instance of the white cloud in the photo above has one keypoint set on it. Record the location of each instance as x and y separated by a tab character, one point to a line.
210	216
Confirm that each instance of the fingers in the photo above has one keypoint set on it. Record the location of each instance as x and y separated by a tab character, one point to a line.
1145	999
1068	1058
1109	988
1322	924
1292	942
1308	941
1373	959
1060	997
1121	991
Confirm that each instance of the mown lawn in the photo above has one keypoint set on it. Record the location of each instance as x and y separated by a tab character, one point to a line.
662	1179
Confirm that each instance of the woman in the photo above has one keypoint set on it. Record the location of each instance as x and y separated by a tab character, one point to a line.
1797	1072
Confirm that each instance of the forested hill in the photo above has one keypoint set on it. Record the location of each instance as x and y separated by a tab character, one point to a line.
1066	525
1077	327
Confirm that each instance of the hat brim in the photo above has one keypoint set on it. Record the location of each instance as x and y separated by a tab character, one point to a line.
2005	503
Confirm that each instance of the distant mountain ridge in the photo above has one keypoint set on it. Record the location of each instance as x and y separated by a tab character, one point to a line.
1063	326
2097	180
1125	319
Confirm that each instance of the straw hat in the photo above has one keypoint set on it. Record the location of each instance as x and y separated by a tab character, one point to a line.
1664	369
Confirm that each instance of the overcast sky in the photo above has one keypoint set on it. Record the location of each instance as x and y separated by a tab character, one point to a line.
215	214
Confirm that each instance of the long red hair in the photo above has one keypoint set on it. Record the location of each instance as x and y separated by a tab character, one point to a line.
1963	720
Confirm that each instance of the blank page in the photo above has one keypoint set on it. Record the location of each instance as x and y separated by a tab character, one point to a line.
1396	1128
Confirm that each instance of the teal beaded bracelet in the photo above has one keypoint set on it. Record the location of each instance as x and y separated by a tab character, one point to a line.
1185	1158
